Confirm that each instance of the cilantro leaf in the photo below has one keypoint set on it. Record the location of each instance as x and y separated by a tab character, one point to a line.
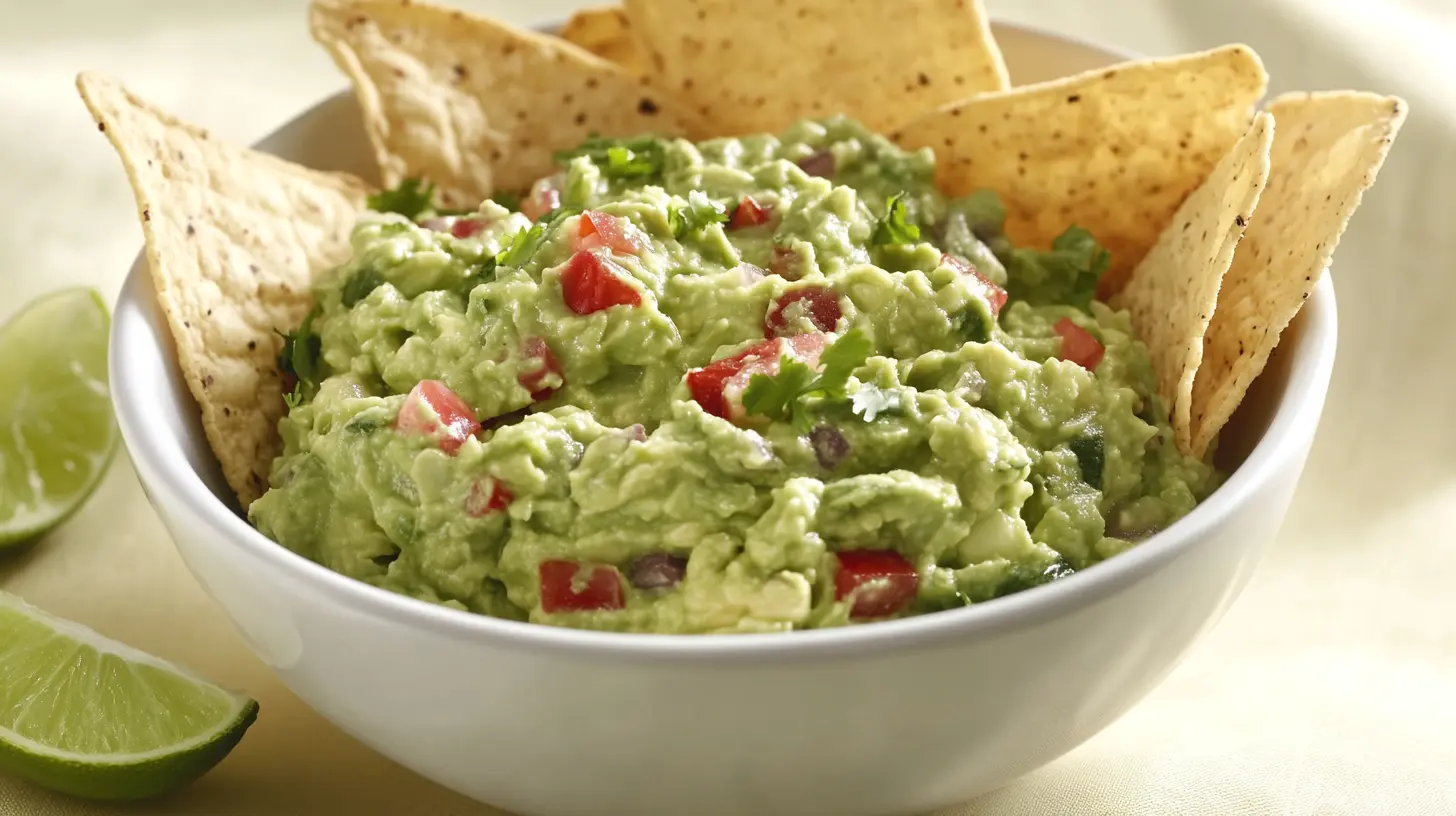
475	276
1067	273
894	227
365	425
840	360
780	397
526	242
870	401
641	157
511	201
775	396
1091	457
411	198
359	285
699	213
302	359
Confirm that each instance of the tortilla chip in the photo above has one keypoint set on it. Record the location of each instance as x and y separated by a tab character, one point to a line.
234	238
606	32
474	105
1114	151
761	65
1329	148
1172	293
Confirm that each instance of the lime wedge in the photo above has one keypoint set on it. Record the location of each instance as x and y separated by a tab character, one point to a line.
57	433
91	717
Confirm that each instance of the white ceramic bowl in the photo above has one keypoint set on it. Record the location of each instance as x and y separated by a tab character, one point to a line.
893	717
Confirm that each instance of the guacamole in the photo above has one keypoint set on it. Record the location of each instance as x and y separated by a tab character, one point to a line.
744	385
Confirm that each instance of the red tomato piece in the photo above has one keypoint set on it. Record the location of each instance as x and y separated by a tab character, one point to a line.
467	227
591	283
432	409
595	230
1078	345
820	304
994	293
706	383
749	213
487	496
881	582
718	386
544	197
538	381
808	347
567	586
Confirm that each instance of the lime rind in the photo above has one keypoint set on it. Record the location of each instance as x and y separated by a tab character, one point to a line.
138	778
55	411
118	775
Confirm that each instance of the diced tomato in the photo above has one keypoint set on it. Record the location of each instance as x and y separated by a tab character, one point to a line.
820	304
487	496
432	409
567	586
808	347
749	213
994	293
1079	346
596	230
591	283
784	262
467	227
538	382
718	386
544	197
706	383
881	582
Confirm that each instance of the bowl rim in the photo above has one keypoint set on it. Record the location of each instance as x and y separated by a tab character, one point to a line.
161	463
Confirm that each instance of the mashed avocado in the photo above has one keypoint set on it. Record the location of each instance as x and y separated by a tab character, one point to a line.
750	384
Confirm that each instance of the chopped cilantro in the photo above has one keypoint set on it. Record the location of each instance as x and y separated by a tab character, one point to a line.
475	276
365	425
1022	577
974	325
1067	273
841	359
301	359
699	213
777	397
359	285
511	201
780	397
1091	457
641	157
526	242
894	227
412	198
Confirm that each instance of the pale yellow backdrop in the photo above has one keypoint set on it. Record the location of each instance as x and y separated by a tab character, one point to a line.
1329	689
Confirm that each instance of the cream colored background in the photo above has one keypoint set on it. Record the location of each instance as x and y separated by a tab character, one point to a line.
1329	689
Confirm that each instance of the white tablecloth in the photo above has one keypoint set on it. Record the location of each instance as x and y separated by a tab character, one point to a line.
1331	686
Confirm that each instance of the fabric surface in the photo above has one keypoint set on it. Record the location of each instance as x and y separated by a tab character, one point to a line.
1326	690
